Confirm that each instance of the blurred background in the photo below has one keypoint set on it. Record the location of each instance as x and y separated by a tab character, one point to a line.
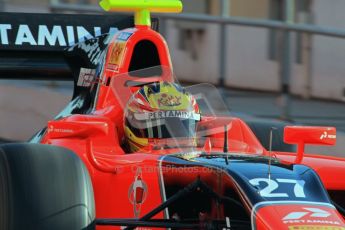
271	59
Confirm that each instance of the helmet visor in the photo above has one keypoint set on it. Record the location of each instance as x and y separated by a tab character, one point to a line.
169	127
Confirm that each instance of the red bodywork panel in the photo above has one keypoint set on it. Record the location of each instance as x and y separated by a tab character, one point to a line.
330	169
291	216
302	135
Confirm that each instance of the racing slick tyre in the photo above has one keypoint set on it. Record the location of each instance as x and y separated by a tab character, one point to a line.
44	187
262	129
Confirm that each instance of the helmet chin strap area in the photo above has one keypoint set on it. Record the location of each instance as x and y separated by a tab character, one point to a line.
142	8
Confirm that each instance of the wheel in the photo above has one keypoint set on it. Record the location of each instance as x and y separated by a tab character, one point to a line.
261	128
44	187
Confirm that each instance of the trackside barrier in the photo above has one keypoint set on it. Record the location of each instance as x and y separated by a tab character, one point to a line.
287	26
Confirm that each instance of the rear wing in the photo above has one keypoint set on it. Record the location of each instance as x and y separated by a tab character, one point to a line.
32	46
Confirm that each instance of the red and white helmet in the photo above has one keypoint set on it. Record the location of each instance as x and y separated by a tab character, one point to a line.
160	112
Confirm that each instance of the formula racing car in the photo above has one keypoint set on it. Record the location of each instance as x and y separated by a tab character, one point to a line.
136	150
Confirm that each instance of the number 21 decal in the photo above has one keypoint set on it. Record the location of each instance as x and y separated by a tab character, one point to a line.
273	184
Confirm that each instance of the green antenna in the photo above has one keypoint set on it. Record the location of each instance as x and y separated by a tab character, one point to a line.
142	8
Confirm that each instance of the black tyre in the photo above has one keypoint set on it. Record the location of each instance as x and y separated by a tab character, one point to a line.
261	128
44	187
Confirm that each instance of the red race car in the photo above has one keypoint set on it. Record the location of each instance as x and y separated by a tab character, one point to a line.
135	149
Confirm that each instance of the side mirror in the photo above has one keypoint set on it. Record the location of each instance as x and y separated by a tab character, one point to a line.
78	129
313	135
79	126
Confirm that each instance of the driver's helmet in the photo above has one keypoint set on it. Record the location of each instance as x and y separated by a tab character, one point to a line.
160	115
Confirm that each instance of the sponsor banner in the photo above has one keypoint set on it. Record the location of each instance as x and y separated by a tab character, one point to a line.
118	51
116	56
54	32
86	77
326	135
299	216
315	227
167	114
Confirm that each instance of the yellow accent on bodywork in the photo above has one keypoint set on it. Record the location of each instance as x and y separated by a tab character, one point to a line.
142	8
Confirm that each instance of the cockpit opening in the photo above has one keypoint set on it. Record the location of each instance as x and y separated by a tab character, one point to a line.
145	55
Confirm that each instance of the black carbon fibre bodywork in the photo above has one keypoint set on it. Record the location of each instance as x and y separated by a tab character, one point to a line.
257	180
